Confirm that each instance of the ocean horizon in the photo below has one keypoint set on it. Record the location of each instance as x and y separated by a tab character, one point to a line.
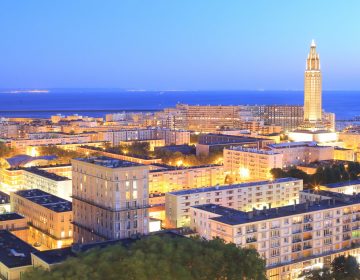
98	102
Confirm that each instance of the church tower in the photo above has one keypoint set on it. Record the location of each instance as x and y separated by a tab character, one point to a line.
312	90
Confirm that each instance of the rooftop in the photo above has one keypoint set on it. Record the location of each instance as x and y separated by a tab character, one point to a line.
343	184
13	251
294	145
109	162
59	255
10	216
235	217
47	200
43	173
165	167
253	150
235	186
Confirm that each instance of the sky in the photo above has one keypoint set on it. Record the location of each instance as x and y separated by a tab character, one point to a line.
177	45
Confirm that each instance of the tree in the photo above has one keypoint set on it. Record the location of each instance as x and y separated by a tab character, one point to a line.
345	268
342	268
317	274
160	258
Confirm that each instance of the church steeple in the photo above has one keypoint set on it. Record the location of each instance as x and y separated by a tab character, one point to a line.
313	60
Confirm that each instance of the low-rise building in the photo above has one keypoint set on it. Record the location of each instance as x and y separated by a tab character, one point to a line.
208	143
245	197
49	217
244	164
153	143
15	256
35	178
295	153
15	223
344	154
346	187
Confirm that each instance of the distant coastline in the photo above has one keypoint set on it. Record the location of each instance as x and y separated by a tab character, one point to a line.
98	102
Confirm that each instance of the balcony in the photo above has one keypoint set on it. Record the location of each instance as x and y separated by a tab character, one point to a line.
296	240
346	237
296	249
307	238
294	231
307	247
251	240
308	228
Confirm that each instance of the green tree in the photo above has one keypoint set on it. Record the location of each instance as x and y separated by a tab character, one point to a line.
345	268
317	274
160	258
342	268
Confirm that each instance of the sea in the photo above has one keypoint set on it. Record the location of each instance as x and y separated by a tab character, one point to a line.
98	102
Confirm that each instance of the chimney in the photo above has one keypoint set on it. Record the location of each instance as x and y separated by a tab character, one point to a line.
270	205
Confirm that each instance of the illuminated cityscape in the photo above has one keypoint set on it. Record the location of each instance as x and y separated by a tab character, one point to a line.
109	169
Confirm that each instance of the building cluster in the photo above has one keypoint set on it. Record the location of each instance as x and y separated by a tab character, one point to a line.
105	194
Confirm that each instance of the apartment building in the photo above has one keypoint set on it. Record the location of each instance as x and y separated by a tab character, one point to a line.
244	164
35	178
213	142
290	238
14	223
351	139
125	157
12	179
295	153
168	178
171	137
15	256
153	143
110	199
346	187
245	197
49	217
22	144
344	154
9	130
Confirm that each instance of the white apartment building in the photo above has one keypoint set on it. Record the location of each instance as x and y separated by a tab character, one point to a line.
177	137
171	179
35	178
245	164
245	197
290	238
295	153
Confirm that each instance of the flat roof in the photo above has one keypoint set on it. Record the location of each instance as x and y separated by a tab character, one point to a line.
253	150
343	184
13	251
234	186
294	144
10	216
109	162
59	255
235	217
47	200
179	168
48	175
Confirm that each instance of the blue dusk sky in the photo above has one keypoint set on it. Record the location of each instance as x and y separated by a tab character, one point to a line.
177	45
